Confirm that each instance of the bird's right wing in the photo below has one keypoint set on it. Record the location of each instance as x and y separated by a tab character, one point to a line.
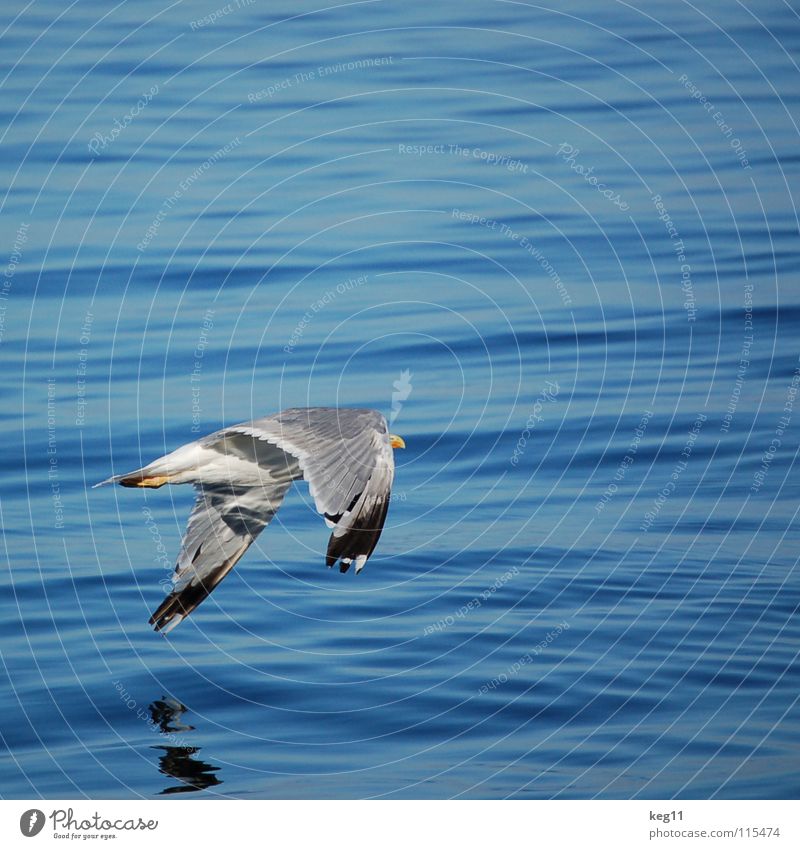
224	522
347	460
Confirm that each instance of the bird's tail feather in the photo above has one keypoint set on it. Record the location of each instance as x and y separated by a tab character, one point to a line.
141	478
170	468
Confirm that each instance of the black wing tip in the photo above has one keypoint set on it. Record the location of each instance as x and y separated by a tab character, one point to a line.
344	558
177	606
167	611
358	541
180	603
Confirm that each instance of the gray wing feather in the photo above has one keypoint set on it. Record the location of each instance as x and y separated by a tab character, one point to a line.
348	463
337	449
223	524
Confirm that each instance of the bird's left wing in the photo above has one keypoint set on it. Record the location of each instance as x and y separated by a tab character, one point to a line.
224	522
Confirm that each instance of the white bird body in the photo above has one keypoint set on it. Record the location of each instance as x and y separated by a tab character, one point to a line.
203	465
242	474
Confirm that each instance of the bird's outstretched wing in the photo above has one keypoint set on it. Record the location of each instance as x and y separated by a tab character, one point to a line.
242	473
224	522
347	459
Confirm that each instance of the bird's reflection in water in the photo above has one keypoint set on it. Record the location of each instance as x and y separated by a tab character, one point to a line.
166	714
179	761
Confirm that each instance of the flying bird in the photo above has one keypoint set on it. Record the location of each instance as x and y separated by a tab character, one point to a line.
241	475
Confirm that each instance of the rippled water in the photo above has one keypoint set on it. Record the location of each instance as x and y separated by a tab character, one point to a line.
561	244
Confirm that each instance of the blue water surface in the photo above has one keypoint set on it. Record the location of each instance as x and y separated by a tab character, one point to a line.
557	246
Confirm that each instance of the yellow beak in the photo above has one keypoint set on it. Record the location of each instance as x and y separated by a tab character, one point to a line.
396	441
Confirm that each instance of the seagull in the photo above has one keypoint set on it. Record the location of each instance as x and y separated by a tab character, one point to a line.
241	475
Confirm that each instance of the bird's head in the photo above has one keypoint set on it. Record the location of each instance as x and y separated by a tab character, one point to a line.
396	441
